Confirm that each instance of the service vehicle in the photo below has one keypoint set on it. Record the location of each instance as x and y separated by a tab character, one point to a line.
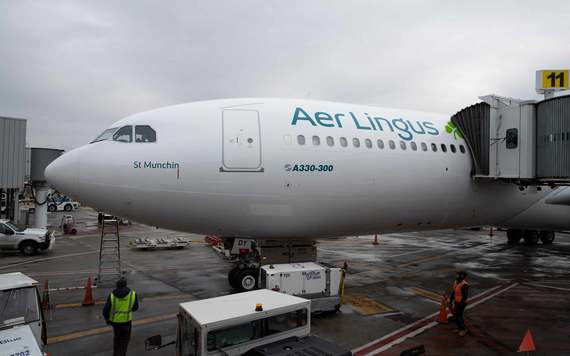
22	323
62	204
255	323
29	241
319	282
233	324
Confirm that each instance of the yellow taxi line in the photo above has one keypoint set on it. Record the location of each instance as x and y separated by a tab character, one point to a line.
149	299
366	306
427	294
106	329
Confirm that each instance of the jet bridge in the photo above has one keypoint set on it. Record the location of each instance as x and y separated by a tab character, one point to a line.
525	142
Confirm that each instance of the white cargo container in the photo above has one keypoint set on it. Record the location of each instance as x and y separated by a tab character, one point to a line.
231	325
319	282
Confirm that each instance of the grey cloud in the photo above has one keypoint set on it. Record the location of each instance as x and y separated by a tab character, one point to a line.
74	67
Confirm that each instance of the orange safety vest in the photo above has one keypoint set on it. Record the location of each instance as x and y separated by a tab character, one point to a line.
458	295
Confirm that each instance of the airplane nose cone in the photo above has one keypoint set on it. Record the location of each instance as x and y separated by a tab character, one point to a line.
63	173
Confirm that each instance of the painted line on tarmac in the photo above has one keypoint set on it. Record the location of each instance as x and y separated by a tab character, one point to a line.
47	259
411	253
546	286
367	306
427	294
143	299
94	271
387	341
421	260
106	329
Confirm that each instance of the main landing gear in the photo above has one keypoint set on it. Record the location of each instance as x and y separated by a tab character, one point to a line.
530	237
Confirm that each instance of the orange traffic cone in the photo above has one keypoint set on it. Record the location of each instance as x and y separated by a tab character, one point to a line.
88	297
442	317
527	343
45	296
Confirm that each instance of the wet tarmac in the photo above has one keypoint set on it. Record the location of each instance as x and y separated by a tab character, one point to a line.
395	289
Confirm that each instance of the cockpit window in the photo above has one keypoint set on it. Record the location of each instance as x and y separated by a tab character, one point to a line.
144	133
107	134
124	134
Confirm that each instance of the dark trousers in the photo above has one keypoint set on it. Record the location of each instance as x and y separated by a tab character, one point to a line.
458	312
121	337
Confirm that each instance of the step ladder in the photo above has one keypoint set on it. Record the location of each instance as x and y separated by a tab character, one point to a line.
109	253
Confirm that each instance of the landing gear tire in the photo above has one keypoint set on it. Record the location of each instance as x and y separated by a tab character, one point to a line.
232	277
247	280
514	236
530	237
547	237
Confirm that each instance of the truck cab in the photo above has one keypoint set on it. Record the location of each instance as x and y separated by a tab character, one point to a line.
21	308
28	241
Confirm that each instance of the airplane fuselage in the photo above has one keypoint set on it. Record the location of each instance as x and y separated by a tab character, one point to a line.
284	168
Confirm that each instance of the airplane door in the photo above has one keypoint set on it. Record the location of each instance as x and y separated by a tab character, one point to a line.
241	141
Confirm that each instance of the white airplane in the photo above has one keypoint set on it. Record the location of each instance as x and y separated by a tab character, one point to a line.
297	169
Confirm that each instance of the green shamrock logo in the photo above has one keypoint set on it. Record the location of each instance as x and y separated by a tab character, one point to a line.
450	128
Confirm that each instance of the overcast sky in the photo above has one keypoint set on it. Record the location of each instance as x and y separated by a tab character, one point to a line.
74	67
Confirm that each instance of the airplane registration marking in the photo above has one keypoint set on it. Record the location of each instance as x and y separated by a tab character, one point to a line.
309	167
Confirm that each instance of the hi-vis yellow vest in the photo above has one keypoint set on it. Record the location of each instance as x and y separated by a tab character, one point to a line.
121	308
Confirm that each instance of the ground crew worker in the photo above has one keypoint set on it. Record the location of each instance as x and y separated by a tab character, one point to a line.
118	312
458	299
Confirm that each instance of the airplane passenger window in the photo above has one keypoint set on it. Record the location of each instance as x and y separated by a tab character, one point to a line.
424	146
343	141
392	145
403	145
356	142
434	147
414	146
124	134
452	147
330	141
144	133
368	143
316	140
443	147
462	148
301	140
380	144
